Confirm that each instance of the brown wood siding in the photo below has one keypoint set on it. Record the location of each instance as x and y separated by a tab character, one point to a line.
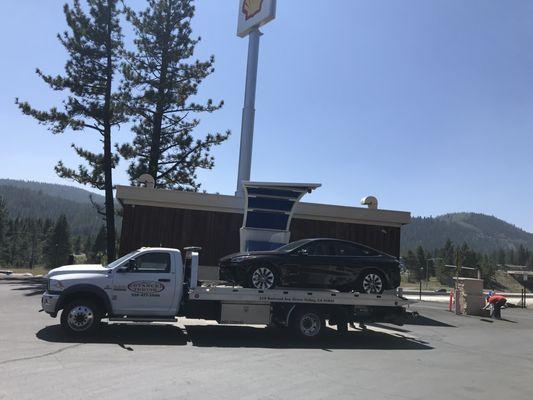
218	232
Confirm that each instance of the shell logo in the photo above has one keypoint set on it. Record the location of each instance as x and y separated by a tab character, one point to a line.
251	8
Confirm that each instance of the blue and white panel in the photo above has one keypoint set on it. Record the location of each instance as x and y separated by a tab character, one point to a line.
268	212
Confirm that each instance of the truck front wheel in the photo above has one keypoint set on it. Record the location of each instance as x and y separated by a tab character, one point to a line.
80	317
308	323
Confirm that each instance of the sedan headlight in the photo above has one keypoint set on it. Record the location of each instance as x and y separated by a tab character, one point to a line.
238	259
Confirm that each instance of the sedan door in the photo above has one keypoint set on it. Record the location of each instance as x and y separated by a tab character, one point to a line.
352	259
310	265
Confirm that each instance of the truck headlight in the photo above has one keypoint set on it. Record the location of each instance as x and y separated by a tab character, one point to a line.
55	285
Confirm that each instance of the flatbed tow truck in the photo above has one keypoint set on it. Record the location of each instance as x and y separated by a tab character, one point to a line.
157	285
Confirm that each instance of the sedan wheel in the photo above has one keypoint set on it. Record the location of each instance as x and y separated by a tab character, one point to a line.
372	282
263	278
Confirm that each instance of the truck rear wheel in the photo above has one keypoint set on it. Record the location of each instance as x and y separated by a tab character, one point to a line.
308	323
80	317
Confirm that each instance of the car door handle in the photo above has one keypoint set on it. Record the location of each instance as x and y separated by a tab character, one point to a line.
164	280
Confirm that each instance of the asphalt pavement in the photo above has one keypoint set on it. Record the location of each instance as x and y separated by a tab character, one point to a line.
439	356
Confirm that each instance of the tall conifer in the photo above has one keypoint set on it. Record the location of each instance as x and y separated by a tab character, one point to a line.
94	45
163	77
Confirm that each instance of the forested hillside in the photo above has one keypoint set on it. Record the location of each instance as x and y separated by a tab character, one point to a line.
63	191
43	224
480	242
483	233
45	201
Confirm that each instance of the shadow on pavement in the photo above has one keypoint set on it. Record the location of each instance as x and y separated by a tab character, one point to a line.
31	286
252	337
232	337
389	327
501	319
508	320
425	321
121	334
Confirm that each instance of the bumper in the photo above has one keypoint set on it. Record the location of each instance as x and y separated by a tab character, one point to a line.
232	273
226	273
49	303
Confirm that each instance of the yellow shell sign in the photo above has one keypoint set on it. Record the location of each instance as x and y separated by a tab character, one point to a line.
254	14
251	8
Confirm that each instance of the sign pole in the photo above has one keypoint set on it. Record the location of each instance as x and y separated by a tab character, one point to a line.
248	111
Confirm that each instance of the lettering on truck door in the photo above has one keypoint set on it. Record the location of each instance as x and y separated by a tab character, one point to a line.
144	285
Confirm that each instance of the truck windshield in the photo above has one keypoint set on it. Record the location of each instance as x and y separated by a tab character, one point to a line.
121	259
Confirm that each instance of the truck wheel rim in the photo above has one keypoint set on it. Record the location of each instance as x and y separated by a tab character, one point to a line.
80	318
310	325
372	283
263	278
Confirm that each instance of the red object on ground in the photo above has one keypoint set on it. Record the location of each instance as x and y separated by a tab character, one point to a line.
496	298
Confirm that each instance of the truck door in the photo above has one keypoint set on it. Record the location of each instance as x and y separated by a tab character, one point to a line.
145	285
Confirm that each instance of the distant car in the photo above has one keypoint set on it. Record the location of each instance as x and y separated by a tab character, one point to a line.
441	290
314	263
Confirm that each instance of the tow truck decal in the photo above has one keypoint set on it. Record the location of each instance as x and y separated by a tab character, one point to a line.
146	288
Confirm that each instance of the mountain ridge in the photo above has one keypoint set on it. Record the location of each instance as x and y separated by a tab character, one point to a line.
28	199
66	192
483	233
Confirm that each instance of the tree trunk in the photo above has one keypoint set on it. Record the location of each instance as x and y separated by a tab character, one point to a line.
108	169
155	146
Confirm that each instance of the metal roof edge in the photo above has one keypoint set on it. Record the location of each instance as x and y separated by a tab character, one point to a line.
132	195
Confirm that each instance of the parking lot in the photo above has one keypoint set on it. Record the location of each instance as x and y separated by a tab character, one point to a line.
438	356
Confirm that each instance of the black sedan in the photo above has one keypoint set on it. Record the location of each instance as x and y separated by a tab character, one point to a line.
314	263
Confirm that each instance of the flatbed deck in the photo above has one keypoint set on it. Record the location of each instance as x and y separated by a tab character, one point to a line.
297	295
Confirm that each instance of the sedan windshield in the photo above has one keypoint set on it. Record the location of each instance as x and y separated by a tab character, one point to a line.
294	245
120	260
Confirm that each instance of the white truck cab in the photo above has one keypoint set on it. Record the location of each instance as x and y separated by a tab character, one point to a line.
155	284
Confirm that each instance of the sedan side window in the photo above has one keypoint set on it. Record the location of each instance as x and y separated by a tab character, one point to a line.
319	249
153	262
352	250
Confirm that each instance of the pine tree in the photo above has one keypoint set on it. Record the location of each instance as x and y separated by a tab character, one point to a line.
35	238
77	245
488	270
98	248
421	262
523	255
448	252
411	264
501	256
87	248
57	248
94	45
163	77
530	262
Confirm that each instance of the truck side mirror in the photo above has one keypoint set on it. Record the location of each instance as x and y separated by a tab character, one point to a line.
130	266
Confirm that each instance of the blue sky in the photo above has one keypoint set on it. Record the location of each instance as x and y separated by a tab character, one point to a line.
427	105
